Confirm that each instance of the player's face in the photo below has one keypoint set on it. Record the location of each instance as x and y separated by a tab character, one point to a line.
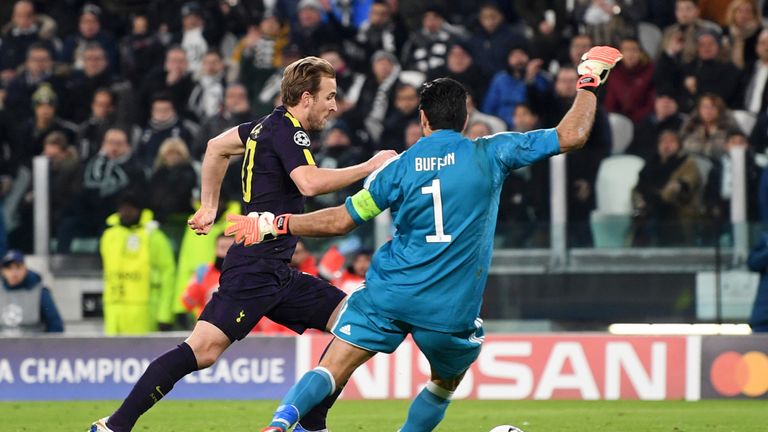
322	104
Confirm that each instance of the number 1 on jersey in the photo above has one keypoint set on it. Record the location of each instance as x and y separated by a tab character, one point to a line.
437	202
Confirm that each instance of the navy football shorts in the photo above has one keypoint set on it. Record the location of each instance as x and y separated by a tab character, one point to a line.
252	288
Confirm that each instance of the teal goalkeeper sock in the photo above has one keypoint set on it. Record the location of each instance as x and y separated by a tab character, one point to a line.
311	389
427	409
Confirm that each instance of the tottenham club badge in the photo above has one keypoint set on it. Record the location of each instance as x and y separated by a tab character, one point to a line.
301	138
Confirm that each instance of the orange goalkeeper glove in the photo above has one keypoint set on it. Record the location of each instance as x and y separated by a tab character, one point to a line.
257	227
595	66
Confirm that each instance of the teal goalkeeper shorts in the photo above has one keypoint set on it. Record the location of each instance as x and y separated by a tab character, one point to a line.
449	354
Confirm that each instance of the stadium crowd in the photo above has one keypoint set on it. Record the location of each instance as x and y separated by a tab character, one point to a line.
122	97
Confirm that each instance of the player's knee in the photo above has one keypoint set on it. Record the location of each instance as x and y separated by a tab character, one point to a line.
207	354
449	384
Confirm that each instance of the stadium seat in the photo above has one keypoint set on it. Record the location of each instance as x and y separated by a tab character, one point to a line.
611	220
650	38
745	119
622	131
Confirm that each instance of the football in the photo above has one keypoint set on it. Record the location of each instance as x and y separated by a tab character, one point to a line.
506	428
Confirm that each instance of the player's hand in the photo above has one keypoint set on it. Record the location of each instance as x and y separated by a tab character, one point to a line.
379	158
256	227
595	66
202	221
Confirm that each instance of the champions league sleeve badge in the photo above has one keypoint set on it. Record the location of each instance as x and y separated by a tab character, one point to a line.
301	138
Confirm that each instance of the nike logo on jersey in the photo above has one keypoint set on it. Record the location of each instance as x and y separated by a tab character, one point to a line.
434	163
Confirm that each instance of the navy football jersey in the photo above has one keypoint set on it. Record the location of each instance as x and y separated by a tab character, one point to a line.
274	146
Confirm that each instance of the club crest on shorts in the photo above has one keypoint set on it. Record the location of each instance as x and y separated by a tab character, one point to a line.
301	138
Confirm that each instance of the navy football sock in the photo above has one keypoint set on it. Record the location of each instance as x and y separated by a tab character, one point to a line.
156	382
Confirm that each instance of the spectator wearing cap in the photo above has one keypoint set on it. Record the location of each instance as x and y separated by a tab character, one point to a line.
310	32
38	68
164	123
427	48
706	73
404	110
510	87
492	39
382	30
173	79
461	66
630	90
89	32
26	305
236	110
30	135
25	29
83	83
139	271
375	96
665	116
107	176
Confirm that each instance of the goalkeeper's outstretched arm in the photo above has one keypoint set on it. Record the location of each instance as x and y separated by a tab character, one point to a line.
576	125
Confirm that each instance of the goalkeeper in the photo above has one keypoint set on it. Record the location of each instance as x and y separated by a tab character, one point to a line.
429	279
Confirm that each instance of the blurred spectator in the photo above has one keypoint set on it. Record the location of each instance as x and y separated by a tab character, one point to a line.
579	45
208	93
337	151
547	19
164	123
686	29
413	133
474	115
91	131
461	67
89	32
354	274
83	83
427	48
30	135
140	51
236	110
756	75
668	75
581	166
477	129
311	32
26	305
406	110
665	116
705	131
630	90
173	78
263	97
667	198
197	250
65	178
138	271
608	21
376	95
526	119
107	176
510	87
25	29
206	279
349	83
705	74
194	38
383	30
741	31
719	185
758	262
660	12
302	260
493	39
259	53
38	69
171	184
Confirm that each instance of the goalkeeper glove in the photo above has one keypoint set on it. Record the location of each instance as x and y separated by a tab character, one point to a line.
595	66
257	227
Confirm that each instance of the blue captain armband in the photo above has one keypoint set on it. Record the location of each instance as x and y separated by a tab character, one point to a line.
362	207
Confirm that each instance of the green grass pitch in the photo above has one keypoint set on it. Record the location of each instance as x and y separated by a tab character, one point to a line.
387	416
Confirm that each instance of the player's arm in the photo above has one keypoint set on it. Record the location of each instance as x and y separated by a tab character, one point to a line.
312	180
576	125
215	162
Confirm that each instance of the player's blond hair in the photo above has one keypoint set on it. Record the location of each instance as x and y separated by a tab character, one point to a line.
304	75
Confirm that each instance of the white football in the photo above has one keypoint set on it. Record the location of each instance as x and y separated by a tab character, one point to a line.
506	428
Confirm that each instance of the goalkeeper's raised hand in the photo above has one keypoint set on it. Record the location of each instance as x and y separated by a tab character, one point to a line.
257	227
595	66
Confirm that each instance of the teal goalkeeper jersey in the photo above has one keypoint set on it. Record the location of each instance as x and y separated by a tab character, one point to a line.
444	196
